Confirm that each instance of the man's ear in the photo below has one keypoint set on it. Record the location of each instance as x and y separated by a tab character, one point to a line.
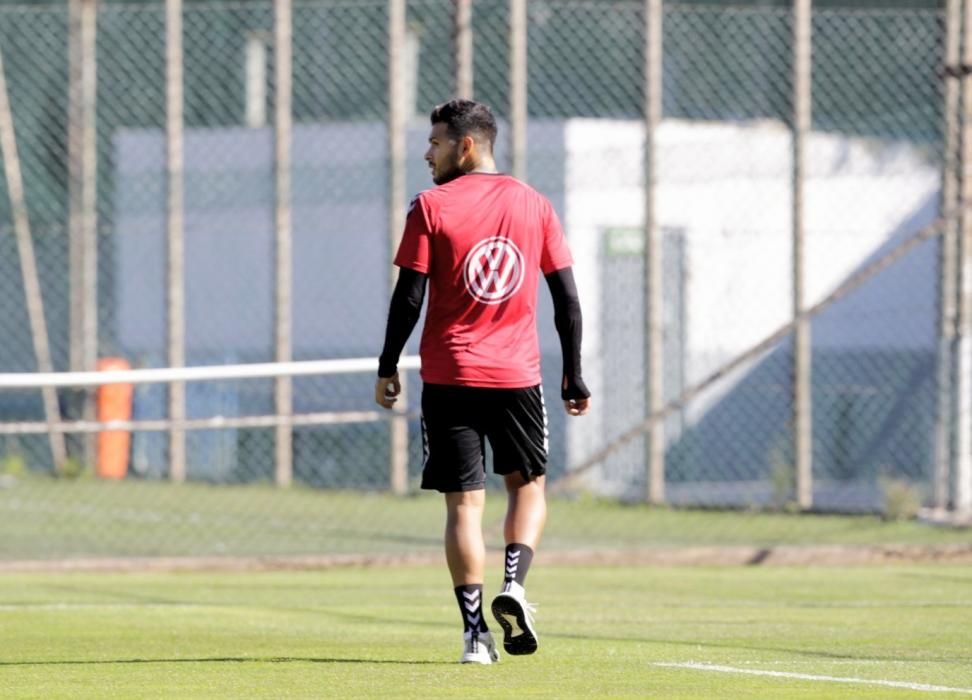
467	147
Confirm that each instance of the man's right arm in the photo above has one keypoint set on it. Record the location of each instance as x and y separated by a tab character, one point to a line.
403	314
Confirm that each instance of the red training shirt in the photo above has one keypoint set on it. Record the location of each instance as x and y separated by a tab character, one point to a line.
482	239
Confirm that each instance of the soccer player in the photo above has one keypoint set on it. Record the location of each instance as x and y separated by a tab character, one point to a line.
479	241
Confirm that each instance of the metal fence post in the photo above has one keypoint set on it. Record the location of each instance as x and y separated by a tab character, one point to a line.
83	197
397	122
28	266
256	80
518	89
462	42
653	286
283	246
962	496
948	267
802	350
175	232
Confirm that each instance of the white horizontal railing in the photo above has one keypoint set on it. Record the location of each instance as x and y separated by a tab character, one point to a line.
37	380
163	375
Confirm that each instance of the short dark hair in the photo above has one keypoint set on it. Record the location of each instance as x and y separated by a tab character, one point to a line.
466	118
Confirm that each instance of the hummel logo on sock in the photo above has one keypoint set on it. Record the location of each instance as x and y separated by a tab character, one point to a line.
470	599
518	559
512	559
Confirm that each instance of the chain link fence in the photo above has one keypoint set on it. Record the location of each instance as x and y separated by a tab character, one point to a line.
874	160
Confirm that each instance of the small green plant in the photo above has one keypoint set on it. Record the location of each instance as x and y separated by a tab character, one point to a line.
73	468
782	481
901	499
13	465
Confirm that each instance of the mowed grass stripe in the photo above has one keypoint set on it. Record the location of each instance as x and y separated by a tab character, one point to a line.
52	519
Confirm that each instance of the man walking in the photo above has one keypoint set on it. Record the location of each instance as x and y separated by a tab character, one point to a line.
480	241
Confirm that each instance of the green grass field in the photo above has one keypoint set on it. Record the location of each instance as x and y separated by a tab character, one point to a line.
668	632
52	519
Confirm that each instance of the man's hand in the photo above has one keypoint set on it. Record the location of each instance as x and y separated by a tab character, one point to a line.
387	390
577	407
576	396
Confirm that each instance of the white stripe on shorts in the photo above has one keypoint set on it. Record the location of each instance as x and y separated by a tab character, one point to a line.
425	442
546	430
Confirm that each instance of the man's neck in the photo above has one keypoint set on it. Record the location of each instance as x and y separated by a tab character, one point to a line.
486	165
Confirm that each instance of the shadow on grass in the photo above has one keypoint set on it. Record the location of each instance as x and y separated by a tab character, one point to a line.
227	659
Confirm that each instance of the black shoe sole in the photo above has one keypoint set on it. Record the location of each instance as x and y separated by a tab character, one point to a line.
505	607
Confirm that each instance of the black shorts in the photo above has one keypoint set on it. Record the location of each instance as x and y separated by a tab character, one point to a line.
457	421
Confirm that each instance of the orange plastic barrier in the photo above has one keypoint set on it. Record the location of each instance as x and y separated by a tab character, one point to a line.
114	402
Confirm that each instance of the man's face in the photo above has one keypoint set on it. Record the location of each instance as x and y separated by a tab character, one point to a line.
443	155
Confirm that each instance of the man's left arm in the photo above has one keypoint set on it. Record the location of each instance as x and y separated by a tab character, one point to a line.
569	323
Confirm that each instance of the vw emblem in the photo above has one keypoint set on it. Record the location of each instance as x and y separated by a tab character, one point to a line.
493	270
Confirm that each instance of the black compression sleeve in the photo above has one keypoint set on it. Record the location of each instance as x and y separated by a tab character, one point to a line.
403	314
569	323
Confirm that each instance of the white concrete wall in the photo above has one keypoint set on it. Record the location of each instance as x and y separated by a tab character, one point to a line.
727	186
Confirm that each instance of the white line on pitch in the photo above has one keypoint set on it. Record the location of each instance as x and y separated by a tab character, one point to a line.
809	677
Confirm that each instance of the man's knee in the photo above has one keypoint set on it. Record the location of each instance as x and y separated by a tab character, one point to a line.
465	501
517	481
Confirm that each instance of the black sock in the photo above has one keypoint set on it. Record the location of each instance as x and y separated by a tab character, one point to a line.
470	599
518	558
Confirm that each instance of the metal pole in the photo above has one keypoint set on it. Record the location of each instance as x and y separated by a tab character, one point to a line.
802	352
948	267
83	197
82	184
175	233
28	266
518	88
89	183
962	497
76	114
463	48
256	80
654	339
283	388
397	115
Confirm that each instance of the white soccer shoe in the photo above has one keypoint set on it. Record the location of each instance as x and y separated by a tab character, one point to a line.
515	616
478	648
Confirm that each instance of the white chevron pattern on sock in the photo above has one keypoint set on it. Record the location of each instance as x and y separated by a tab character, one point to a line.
512	562
473	604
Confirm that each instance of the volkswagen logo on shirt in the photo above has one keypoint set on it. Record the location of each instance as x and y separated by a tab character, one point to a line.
493	270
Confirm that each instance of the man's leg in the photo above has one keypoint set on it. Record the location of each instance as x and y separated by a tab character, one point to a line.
464	546
526	509
526	514
465	555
